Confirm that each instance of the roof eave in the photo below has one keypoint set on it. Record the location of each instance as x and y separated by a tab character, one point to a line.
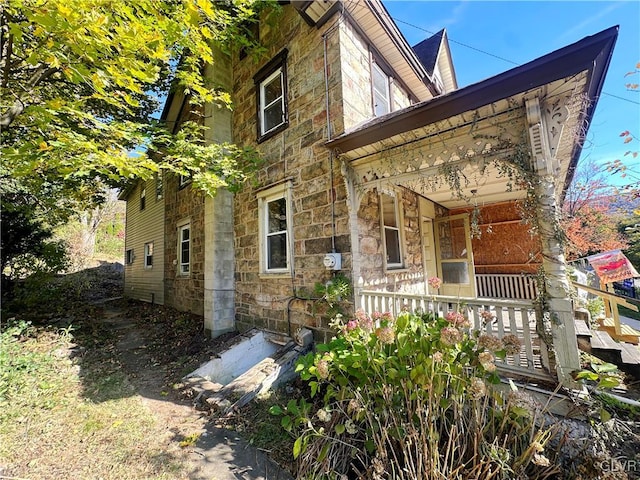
591	53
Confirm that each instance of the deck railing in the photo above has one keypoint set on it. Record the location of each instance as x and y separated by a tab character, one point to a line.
515	286
516	317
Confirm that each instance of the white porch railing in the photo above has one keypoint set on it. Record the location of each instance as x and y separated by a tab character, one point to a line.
516	317
515	286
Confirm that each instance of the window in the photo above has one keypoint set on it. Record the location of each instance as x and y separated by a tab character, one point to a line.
184	180
148	255
184	250
391	228
143	198
128	258
271	84
275	229
159	185
381	91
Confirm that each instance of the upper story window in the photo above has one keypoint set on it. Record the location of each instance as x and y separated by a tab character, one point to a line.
275	227
380	84
184	180
271	86
391	225
143	198
159	185
184	249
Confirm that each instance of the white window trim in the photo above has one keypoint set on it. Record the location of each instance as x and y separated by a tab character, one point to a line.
387	93
277	192
277	73
143	198
183	180
181	264
148	255
399	228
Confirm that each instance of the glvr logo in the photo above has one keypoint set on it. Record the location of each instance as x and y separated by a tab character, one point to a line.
620	464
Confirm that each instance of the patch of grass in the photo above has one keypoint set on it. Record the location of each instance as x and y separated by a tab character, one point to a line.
67	420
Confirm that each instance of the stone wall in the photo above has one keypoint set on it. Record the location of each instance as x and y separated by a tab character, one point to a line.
409	279
356	78
184	205
296	155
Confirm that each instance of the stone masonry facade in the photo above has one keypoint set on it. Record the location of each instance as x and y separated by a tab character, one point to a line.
184	206
295	155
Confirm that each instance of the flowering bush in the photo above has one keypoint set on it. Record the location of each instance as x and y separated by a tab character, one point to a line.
411	397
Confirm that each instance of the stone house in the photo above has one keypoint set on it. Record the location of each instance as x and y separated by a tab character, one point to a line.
378	167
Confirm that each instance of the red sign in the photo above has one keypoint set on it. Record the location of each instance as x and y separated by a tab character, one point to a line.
612	266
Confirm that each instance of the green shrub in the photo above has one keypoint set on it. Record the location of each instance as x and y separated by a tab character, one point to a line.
412	397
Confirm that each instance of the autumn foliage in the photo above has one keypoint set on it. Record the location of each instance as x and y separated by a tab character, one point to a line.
592	229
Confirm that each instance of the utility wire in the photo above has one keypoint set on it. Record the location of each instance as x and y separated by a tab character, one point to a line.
635	102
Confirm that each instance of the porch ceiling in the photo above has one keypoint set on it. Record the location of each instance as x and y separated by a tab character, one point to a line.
471	141
470	128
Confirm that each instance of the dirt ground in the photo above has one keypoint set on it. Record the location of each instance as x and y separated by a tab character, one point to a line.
156	347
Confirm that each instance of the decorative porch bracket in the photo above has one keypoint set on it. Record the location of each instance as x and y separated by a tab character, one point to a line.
558	305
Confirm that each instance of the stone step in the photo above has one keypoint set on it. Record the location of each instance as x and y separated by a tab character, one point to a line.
630	354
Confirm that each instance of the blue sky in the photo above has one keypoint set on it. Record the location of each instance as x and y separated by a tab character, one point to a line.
490	37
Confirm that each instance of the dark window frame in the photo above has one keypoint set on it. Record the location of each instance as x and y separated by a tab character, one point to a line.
279	62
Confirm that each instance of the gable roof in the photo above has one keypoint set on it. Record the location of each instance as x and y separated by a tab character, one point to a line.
427	51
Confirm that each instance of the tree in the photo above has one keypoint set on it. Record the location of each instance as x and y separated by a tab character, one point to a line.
590	221
628	166
81	81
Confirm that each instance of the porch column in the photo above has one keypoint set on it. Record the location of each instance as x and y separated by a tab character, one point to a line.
219	256
557	288
353	204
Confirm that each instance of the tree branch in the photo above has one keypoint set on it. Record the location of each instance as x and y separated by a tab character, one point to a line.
7	118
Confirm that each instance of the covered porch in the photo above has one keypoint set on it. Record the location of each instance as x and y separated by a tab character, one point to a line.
424	185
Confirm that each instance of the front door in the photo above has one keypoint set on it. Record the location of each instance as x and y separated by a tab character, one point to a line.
455	257
427	214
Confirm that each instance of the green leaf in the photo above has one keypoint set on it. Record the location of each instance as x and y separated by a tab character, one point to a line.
604	368
339	429
286	422
587	375
276	410
605	416
292	407
297	447
608	382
